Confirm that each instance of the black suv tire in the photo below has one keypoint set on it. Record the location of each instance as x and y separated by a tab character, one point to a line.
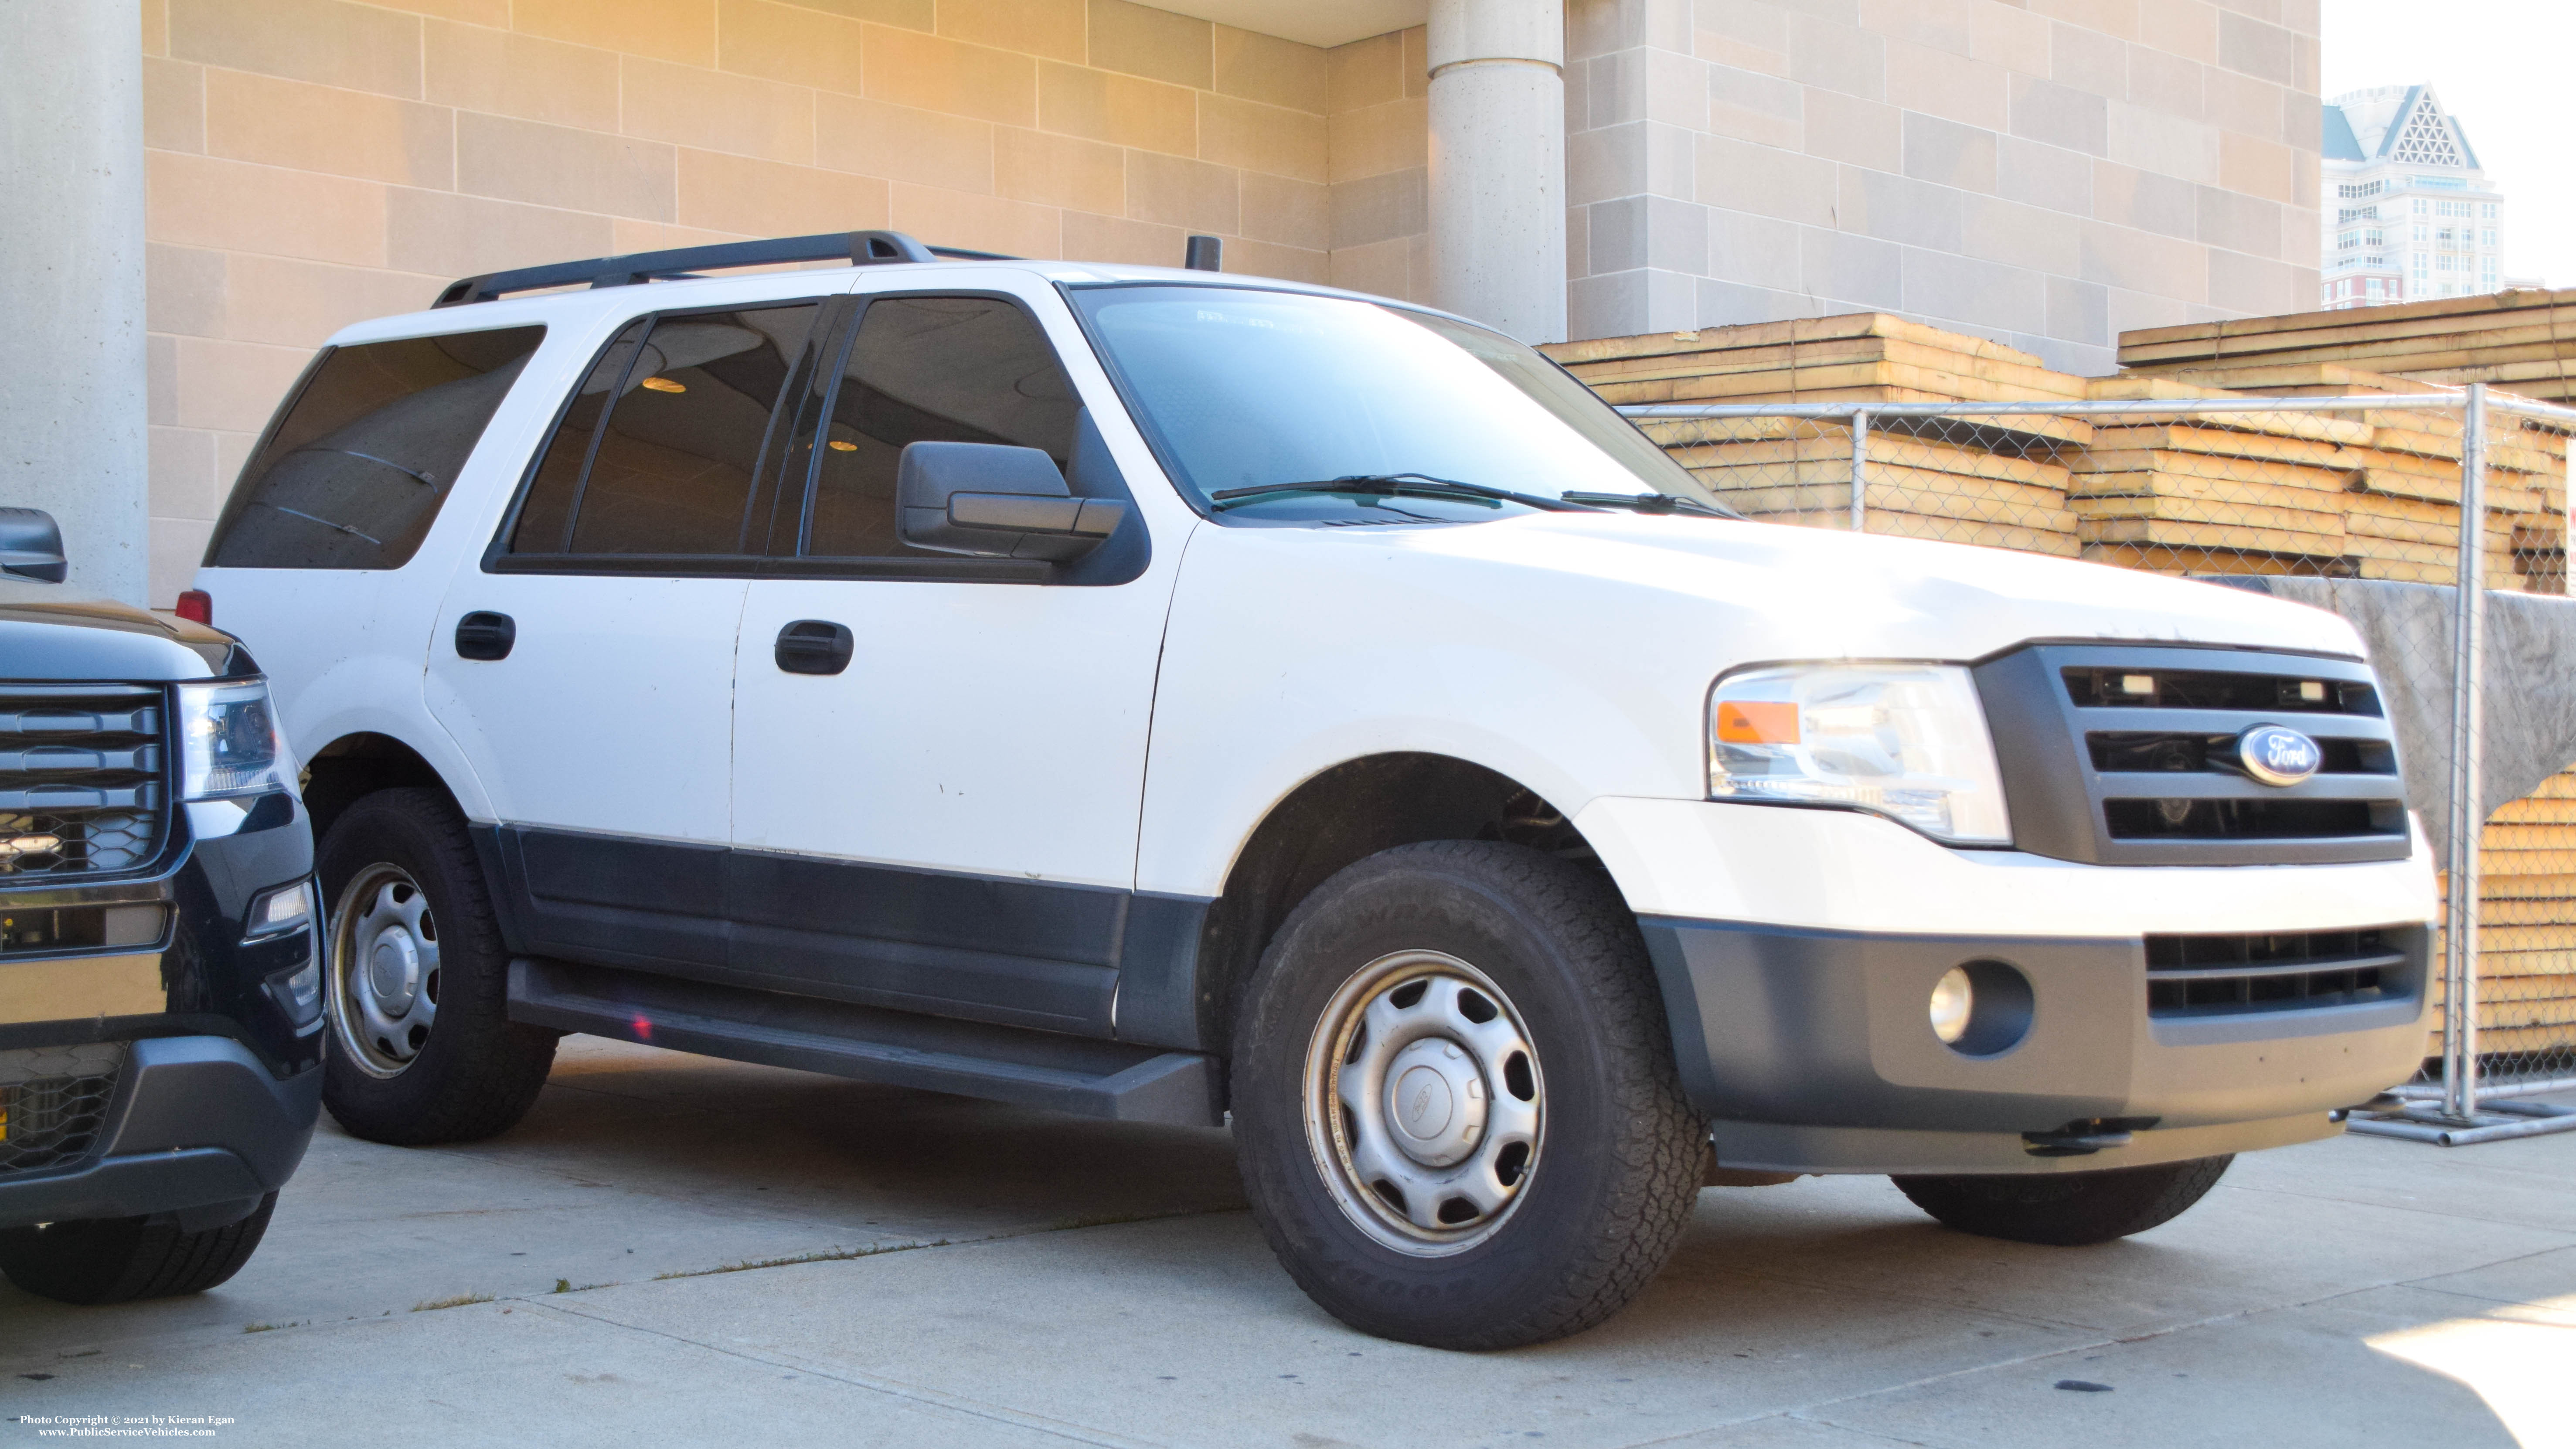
2070	1209
476	1072
1613	1159
118	1260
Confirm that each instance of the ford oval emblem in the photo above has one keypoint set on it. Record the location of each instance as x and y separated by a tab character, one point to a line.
2278	756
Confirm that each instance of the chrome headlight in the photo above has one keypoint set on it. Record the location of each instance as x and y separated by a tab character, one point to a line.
229	741
1905	740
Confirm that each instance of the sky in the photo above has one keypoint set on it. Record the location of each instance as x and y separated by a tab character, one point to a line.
2502	67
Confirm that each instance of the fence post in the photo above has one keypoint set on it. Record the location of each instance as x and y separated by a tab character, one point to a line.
1860	465
2468	670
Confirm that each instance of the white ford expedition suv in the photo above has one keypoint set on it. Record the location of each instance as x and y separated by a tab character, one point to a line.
1176	697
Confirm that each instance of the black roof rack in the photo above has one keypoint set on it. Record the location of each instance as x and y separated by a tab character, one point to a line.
858	248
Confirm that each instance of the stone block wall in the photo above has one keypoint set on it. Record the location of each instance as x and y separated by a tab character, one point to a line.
2045	173
313	162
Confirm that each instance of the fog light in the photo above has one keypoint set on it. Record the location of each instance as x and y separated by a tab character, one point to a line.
284	909
1981	1008
1954	997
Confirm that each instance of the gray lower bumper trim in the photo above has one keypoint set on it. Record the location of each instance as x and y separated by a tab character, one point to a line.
1814	1051
1769	1147
197	1121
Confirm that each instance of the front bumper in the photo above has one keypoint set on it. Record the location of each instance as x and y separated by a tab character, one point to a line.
1812	1051
198	1127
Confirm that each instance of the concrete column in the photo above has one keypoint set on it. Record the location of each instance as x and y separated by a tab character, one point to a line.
72	387
1498	163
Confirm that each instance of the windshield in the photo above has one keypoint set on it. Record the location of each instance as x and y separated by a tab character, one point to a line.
1325	399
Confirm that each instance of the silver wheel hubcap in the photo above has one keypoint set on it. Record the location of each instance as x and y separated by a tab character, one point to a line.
1424	1104
384	969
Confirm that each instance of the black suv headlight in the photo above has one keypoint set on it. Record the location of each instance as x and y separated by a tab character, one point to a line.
229	741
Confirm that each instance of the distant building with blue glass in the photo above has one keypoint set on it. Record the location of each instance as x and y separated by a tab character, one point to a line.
2408	213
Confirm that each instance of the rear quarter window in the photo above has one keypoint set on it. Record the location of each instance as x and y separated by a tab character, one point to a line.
357	463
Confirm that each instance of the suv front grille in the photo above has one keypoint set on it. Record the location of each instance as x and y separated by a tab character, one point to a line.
2282	971
81	779
2128	755
54	1101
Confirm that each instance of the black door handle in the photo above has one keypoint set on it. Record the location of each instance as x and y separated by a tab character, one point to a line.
485	635
814	646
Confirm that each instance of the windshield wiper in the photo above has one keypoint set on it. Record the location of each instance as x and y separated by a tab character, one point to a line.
1650	503
315	518
1388	485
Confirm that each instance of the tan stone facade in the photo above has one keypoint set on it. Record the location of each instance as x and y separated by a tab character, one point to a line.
2047	173
312	162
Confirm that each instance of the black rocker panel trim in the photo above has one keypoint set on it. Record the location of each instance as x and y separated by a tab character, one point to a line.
1089	960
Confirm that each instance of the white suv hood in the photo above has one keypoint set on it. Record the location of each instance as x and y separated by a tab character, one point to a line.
1573	652
1817	594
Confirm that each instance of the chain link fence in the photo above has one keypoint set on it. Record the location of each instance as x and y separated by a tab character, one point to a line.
2389	509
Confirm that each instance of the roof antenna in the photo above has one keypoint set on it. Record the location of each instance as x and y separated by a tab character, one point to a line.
1205	254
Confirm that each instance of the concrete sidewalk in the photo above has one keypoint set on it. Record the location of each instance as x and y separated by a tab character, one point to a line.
978	1275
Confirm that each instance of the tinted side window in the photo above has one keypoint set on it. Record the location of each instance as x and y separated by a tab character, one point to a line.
659	447
352	474
545	519
929	369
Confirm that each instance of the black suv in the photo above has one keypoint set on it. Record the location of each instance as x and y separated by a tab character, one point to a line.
160	1001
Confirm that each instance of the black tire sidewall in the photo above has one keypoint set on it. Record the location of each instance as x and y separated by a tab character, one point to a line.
419	833
1477	1297
2070	1209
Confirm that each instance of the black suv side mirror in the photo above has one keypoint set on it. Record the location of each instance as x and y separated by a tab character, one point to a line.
997	501
31	545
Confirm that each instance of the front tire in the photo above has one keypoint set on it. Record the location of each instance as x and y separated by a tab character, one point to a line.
416	980
1454	1099
2069	1209
118	1260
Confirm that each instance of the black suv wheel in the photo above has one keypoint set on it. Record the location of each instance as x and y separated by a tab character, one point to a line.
2067	1209
118	1260
421	1046
1454	1099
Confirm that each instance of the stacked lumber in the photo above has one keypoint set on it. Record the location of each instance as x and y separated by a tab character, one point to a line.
2524	341
1998	481
2527	928
2371	495
2366	494
2227	493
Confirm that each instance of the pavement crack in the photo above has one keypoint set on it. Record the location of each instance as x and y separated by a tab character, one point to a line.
879	1250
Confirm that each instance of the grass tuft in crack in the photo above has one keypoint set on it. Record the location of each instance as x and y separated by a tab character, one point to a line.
461	1300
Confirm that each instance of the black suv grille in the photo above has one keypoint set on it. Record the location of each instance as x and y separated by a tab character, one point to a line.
2282	971
2128	755
81	787
54	1101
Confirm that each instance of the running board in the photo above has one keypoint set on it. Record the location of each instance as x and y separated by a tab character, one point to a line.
1116	1080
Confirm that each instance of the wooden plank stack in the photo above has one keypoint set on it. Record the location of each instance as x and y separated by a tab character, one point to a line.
2523	341
1999	482
2527	927
2365	494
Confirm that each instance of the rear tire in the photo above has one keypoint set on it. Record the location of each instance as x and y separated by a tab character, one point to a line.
118	1260
1515	987
2069	1209
421	1049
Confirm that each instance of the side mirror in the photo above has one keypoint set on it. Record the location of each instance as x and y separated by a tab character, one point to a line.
31	545
996	501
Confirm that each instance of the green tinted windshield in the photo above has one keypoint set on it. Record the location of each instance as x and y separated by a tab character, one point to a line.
1243	389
